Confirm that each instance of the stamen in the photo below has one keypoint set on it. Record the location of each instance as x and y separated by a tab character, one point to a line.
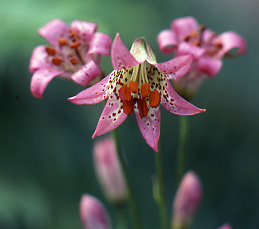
62	41
133	86
128	107
56	60
196	43
125	93
154	98
142	107
74	45
144	90
73	60
73	35
51	51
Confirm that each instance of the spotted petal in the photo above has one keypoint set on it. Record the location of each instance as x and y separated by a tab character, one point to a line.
175	104
230	40
41	79
54	30
95	94
121	56
85	29
177	67
39	59
150	126
86	73
111	117
209	66
167	41
184	26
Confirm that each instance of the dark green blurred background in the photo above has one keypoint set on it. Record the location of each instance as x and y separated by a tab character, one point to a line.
46	145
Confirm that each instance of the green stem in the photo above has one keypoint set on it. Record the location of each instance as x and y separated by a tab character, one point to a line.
121	216
161	190
132	202
181	153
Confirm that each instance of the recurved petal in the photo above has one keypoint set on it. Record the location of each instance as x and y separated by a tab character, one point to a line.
39	59
175	104
186	48
121	56
150	126
209	66
184	26
95	94
85	29
111	117
54	30
41	79
177	67
100	44
86	73
167	41
230	40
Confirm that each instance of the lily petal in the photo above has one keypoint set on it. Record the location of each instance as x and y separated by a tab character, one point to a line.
167	41
100	44
86	73
39	59
111	117
121	56
54	30
186	48
85	29
41	79
184	26
150	126
230	40
95	94
177	67
209	66
175	104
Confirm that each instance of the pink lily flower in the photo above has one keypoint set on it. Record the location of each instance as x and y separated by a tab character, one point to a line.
74	53
208	48
138	83
225	226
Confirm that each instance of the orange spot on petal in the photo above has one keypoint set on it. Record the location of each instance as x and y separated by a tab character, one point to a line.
154	98
51	51
133	86
56	60
144	90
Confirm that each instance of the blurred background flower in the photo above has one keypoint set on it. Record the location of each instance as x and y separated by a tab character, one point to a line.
46	145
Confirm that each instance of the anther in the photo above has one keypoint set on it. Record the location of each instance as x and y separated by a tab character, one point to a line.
62	41
142	107
73	35
128	107
51	51
154	98
56	60
125	93
144	90
133	86
74	45
73	60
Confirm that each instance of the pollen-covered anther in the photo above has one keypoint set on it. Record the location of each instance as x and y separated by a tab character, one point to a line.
74	45
125	93
56	60
142	107
144	90
154	98
73	60
196	43
133	86
128	107
62	41
51	51
73	35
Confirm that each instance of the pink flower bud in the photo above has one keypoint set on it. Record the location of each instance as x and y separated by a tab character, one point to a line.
187	200
225	226
109	171
93	214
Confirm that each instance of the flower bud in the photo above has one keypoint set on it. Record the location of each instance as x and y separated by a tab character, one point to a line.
93	214
109	171
225	226
187	201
